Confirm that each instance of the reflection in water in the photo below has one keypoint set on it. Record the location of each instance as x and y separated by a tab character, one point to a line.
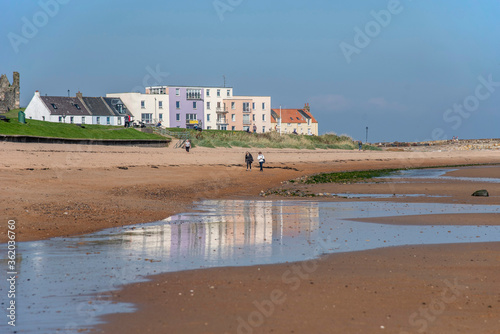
59	276
436	173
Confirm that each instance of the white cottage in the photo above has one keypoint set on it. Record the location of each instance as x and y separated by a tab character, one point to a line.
79	109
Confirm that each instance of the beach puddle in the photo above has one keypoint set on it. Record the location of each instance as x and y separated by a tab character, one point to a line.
435	174
62	281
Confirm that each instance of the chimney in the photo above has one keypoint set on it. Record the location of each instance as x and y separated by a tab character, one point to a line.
306	107
79	95
37	93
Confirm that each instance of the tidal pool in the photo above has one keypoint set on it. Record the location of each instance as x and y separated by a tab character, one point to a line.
62	281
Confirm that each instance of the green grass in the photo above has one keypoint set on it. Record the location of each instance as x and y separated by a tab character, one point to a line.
345	177
218	138
59	130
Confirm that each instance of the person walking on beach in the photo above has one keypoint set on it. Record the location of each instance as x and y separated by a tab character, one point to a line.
249	160
187	145
261	159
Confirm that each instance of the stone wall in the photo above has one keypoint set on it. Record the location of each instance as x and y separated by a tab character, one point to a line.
9	93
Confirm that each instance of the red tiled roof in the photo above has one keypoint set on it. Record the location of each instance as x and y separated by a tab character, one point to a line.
292	116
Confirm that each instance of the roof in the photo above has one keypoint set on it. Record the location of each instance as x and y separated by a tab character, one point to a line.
292	116
85	106
117	106
59	105
97	106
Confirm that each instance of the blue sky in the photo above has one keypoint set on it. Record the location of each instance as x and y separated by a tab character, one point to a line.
413	69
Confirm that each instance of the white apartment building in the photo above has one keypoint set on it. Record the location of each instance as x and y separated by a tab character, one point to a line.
148	108
215	114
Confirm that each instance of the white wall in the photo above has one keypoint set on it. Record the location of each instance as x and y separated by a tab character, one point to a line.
37	109
213	99
133	103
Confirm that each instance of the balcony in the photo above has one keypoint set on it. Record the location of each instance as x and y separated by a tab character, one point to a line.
247	110
222	121
221	110
247	122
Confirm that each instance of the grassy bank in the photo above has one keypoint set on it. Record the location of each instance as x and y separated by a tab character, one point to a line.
216	138
73	131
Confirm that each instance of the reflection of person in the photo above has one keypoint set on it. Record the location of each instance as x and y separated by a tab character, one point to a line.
187	145
249	160
261	159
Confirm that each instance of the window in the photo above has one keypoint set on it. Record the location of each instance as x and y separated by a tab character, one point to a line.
83	119
60	119
177	92
264	117
208	105
43	118
143	104
193	94
233	128
98	120
119	121
218	92
253	105
108	120
54	105
209	127
253	117
208	117
72	120
233	117
228	92
289	124
147	118
191	117
77	106
120	108
194	105
233	105
246	106
308	121
160	104
263	105
208	92
177	117
246	128
161	117
263	129
177	104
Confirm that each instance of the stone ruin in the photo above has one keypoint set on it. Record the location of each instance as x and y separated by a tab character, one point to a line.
9	93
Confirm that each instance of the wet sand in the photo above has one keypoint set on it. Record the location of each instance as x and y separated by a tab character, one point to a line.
413	289
59	190
54	190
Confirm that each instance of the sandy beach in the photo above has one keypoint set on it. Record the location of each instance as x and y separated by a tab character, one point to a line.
56	190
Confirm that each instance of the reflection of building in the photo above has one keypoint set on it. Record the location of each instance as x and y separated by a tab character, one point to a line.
231	226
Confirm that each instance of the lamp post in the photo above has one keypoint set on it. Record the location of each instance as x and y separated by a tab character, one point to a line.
366	141
280	120
155	109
